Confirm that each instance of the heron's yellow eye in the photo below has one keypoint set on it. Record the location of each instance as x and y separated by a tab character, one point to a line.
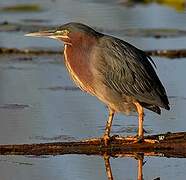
62	32
65	32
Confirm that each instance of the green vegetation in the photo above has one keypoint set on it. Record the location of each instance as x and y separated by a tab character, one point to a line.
22	8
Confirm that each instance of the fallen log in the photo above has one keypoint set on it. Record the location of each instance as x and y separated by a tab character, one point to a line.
169	145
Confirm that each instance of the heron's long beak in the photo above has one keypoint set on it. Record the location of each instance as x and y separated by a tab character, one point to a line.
49	34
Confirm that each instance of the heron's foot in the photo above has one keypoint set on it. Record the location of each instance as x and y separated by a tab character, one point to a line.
106	139
131	138
141	139
151	141
114	137
138	139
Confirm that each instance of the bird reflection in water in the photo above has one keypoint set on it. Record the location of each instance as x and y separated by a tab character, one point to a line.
108	166
138	156
140	167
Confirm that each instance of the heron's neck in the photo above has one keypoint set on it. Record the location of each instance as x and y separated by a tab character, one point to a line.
77	60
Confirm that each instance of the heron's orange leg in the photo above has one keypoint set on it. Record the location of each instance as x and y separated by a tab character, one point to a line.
140	125
106	135
140	119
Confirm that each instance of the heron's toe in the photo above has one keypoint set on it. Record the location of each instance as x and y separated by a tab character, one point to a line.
106	139
114	137
141	139
151	141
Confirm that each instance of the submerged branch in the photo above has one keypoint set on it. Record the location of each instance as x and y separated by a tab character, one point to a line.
180	53
31	25
10	51
169	145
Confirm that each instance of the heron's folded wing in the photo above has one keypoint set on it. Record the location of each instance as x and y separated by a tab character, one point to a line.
128	70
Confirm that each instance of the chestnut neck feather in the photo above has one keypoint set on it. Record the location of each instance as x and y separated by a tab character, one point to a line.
77	59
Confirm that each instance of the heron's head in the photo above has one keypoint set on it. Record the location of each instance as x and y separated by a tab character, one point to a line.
68	32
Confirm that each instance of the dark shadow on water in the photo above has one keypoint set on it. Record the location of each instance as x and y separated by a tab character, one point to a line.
14	106
61	88
54	138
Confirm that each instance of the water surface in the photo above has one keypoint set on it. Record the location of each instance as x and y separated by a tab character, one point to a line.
33	109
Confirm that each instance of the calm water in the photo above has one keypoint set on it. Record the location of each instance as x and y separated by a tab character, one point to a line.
34	107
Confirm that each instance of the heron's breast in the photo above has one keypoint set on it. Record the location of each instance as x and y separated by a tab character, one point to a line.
77	63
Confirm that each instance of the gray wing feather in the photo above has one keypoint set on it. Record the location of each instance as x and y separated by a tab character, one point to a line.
128	71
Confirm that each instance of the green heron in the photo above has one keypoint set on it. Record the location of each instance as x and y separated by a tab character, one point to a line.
116	72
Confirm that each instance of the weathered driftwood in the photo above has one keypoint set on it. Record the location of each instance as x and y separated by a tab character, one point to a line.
169	144
180	53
